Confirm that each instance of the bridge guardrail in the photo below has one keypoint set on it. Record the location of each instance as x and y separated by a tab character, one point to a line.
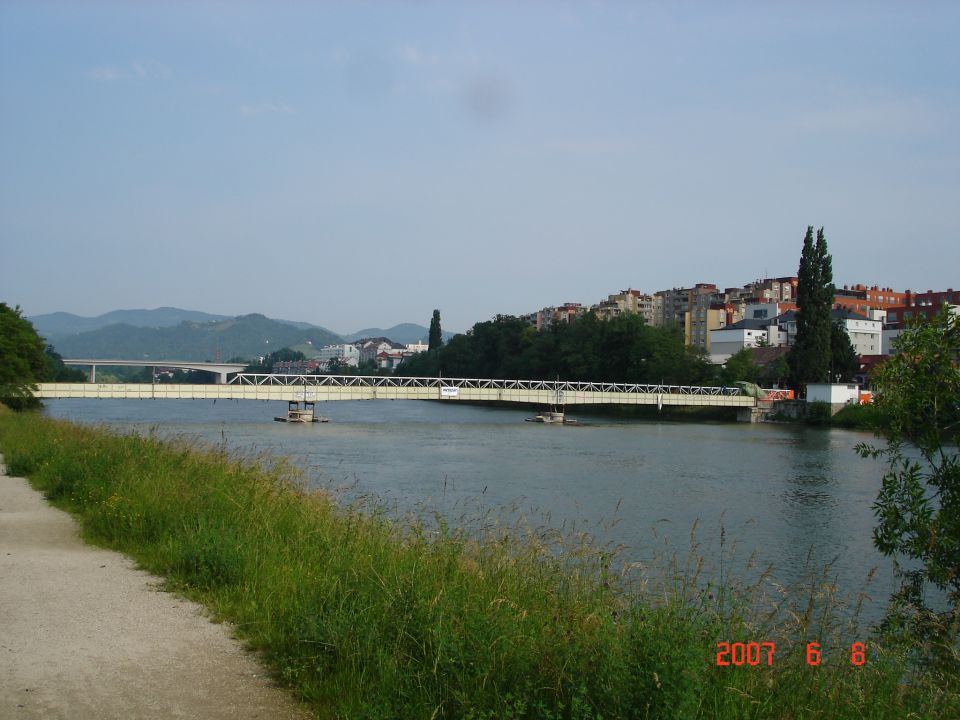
376	381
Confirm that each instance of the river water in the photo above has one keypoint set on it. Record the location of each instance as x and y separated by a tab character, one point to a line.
796	496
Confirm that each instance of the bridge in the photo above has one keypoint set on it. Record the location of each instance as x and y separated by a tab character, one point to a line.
322	388
220	369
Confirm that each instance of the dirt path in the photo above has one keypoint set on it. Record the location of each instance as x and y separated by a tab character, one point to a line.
85	635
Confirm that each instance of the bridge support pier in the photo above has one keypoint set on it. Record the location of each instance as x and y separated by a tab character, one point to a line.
93	373
752	414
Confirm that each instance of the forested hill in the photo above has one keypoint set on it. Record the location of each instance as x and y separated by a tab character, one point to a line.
248	336
55	326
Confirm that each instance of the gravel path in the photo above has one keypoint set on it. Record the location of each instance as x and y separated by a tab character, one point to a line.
83	634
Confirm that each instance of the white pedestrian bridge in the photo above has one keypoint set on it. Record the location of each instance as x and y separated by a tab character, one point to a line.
322	388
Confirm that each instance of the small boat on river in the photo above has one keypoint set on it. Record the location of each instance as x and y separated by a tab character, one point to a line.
552	417
298	414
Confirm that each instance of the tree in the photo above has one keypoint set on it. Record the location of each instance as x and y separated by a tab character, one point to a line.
436	335
740	366
809	358
918	507
56	371
282	355
775	373
843	358
23	362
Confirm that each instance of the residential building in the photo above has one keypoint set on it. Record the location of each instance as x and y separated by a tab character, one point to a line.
390	359
371	347
862	299
925	304
630	302
534	319
865	334
675	303
296	367
769	290
766	309
702	318
656	310
731	339
418	347
567	312
346	354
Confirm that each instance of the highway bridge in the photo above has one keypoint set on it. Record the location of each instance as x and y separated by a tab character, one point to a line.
220	369
322	388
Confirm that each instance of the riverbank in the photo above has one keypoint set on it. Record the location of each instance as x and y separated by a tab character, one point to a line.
377	619
850	417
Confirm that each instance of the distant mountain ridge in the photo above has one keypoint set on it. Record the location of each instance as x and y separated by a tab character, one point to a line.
248	336
57	324
170	333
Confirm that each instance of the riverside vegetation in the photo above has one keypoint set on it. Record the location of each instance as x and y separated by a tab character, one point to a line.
370	617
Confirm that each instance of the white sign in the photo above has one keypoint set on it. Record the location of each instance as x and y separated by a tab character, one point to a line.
449	391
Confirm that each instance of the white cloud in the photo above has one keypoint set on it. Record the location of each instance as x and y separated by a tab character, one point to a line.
265	108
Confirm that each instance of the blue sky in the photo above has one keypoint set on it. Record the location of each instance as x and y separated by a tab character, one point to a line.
358	164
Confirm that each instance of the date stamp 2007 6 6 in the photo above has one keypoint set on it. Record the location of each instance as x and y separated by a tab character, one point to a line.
752	653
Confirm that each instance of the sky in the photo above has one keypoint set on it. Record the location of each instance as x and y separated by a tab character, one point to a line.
360	164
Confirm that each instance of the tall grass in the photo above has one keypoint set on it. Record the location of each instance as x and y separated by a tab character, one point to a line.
368	617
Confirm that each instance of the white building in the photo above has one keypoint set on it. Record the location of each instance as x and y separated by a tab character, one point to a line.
833	393
346	354
418	347
730	340
865	334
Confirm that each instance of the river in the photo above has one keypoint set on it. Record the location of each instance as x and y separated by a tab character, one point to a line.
799	497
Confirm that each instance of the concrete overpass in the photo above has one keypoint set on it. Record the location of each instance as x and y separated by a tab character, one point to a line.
321	388
220	369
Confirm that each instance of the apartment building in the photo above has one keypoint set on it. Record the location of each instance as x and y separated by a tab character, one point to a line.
626	302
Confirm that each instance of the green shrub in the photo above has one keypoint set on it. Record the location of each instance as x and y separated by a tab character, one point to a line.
857	417
818	413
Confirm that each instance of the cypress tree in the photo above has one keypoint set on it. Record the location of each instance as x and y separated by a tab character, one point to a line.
809	358
824	300
435	339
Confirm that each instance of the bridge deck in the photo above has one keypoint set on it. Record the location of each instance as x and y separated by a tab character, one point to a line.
321	388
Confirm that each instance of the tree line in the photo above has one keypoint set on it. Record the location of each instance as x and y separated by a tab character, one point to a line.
623	349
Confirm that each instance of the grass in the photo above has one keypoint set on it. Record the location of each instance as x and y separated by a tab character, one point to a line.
367	617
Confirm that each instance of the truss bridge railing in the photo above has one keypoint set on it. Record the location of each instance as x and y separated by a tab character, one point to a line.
561	386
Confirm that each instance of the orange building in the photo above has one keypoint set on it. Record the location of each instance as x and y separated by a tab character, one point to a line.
862	299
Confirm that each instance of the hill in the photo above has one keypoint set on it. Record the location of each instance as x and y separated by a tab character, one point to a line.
403	333
248	336
59	324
